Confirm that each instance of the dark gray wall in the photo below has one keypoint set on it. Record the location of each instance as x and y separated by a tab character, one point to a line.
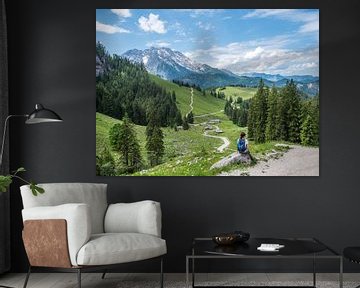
52	62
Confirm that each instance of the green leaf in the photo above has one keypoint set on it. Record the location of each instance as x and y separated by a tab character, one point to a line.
5	182
36	189
39	189
20	169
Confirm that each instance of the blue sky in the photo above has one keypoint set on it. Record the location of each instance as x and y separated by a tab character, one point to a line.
284	41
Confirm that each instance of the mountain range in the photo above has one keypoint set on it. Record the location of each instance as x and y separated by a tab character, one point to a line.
174	65
277	77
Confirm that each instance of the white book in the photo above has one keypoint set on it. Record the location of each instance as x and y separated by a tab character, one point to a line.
270	247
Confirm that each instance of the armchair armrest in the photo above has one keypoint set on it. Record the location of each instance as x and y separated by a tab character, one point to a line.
78	225
138	217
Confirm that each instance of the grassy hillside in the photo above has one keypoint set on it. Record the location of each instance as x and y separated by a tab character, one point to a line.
235	92
190	152
103	126
179	145
202	104
187	153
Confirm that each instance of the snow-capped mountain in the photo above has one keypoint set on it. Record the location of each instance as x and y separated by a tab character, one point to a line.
173	65
167	63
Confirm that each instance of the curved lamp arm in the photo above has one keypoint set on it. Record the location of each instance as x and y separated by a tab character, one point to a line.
39	115
4	134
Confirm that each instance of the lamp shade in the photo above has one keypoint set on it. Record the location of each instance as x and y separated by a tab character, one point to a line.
42	115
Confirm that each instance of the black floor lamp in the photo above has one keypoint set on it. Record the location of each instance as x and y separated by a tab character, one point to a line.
39	115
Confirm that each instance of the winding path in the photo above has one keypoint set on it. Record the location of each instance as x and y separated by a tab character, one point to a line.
191	101
224	139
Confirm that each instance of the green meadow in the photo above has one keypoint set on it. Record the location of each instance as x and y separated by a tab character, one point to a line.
236	92
188	152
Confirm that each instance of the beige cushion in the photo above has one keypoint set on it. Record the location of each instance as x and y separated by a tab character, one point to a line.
138	217
113	248
92	194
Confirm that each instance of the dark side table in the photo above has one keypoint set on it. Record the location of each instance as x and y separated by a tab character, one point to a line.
295	248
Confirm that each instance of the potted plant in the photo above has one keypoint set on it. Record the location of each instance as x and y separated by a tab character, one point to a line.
6	180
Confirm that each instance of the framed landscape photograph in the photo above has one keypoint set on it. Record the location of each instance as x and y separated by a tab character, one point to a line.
207	92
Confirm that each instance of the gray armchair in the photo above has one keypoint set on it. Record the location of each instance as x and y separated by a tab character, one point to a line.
72	228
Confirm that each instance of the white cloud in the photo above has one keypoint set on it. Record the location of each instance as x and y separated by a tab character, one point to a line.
263	55
205	26
263	13
254	53
312	26
309	19
152	24
123	13
158	43
109	29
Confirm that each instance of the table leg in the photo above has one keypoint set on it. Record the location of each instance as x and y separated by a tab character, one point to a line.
193	272
187	272
341	273
314	271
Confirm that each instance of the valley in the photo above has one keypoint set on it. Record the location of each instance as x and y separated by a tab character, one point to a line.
235	92
196	124
191	152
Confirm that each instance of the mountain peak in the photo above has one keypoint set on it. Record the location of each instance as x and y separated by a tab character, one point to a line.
165	62
160	48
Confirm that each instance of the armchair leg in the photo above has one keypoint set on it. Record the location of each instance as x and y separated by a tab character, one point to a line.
27	277
79	277
161	273
103	275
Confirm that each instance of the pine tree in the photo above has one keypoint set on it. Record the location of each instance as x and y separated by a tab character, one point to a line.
185	124
316	119
154	120
178	118
270	132
250	120
235	116
123	140
228	108
294	112
243	116
281	130
310	108
155	146
135	159
105	164
308	132
190	117
258	114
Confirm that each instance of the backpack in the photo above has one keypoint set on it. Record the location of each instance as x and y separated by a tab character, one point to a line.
241	145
